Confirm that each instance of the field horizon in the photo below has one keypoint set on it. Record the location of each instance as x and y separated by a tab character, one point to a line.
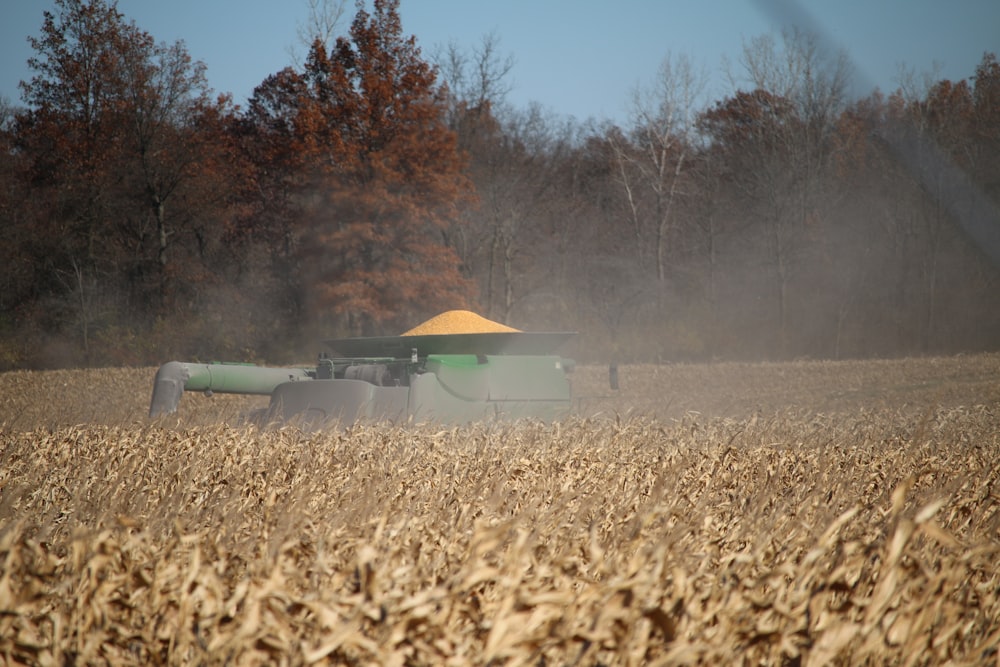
54	398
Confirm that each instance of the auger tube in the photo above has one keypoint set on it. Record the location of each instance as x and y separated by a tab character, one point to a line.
174	377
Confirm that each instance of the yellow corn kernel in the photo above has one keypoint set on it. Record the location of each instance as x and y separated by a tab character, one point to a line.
458	322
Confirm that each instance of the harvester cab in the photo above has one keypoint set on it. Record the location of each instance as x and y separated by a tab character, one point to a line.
455	368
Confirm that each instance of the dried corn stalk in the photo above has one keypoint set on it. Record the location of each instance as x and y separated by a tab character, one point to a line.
773	540
791	537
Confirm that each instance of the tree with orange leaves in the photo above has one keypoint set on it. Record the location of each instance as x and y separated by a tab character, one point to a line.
376	176
124	154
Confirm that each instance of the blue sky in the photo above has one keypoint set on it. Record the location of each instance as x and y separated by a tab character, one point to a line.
574	57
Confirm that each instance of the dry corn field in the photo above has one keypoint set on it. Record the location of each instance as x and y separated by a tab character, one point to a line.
809	513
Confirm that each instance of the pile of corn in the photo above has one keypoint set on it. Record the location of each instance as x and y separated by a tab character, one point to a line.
458	322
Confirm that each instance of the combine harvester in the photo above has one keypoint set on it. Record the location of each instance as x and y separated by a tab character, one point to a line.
457	367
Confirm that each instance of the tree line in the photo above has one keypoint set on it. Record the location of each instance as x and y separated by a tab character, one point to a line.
369	187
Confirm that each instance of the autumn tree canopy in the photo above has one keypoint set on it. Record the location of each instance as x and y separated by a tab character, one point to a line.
379	178
124	152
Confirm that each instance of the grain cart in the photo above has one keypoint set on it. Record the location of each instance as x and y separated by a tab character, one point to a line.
457	367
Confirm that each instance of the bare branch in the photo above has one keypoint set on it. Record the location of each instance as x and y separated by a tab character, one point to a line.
479	78
321	24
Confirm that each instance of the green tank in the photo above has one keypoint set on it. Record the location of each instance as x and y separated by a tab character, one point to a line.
441	378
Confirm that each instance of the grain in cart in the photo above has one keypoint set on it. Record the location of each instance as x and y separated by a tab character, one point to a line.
453	368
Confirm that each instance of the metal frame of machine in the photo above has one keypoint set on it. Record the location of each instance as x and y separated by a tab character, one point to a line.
446	378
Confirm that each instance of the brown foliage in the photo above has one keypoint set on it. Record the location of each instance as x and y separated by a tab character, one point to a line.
127	167
380	172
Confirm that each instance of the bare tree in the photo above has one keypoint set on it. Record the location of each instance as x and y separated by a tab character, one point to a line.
498	143
167	94
7	114
476	80
799	91
519	188
652	160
